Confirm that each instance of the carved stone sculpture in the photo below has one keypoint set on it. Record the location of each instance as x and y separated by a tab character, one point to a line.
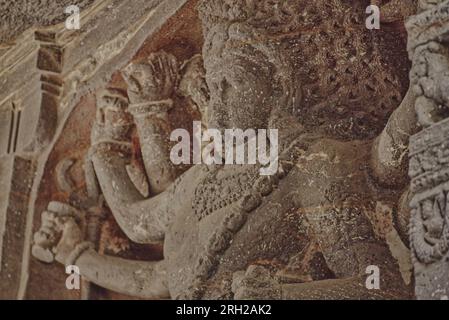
309	231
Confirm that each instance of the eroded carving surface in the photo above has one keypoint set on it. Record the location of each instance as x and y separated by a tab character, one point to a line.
18	16
429	228
310	70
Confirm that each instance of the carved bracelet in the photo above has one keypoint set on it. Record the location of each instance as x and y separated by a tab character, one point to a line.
78	251
155	107
125	147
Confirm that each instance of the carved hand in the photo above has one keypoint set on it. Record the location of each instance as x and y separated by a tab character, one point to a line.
59	234
152	80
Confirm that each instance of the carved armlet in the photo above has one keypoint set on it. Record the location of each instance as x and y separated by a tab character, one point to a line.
105	146
151	108
78	251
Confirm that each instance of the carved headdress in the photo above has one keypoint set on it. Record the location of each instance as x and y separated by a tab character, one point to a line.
350	83
271	17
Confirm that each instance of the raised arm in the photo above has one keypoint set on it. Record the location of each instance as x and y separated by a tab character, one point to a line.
143	220
389	155
151	85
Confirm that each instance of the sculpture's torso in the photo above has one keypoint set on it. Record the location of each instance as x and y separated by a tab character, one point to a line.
314	225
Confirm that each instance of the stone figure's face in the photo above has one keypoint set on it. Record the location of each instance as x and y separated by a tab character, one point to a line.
349	82
241	86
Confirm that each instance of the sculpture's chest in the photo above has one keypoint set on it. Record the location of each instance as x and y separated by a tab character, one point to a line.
220	189
215	232
205	227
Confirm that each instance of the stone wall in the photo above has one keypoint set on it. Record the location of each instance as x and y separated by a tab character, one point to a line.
43	76
18	16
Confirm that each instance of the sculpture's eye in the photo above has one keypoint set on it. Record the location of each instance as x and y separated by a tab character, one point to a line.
107	100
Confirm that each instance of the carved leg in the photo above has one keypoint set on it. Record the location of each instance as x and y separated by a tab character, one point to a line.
257	283
340	289
349	251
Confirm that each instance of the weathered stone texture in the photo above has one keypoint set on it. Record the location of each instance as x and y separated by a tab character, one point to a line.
107	98
17	16
17	180
429	150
